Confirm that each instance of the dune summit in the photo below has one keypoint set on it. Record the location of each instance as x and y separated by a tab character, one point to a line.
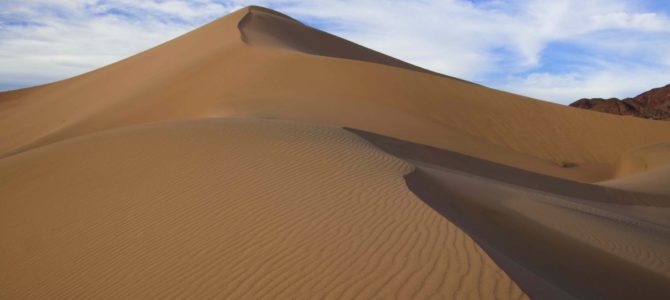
259	63
256	157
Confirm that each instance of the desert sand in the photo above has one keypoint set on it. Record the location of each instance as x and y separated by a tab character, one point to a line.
556	238
232	208
256	157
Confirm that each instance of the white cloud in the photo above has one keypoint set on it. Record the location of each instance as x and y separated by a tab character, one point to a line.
505	44
65	38
639	21
525	27
608	82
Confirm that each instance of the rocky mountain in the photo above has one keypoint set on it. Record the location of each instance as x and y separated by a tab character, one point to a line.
653	104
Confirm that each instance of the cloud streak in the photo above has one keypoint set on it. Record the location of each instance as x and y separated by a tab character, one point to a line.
555	50
47	40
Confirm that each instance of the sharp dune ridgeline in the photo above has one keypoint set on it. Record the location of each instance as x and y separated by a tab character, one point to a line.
256	157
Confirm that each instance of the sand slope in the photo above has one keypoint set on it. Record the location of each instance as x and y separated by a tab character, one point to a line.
215	166
259	63
557	239
645	169
228	208
268	28
655	181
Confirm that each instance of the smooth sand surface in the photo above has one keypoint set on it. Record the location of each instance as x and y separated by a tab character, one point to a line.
642	159
228	208
215	166
655	181
258	63
645	169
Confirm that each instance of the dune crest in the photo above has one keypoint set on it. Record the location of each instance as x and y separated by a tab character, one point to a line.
216	165
645	170
556	239
644	159
265	27
213	73
228	208
654	181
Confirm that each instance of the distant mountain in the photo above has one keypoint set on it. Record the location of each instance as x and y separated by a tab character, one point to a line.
653	104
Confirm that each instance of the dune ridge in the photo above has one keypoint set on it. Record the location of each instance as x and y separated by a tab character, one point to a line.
556	239
654	181
644	169
256	157
222	76
232	208
264	27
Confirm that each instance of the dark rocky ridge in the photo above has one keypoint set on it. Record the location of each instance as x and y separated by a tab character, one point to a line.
653	104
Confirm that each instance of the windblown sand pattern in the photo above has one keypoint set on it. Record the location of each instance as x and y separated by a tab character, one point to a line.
215	166
228	208
556	239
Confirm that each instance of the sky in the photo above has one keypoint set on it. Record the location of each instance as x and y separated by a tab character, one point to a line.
559	50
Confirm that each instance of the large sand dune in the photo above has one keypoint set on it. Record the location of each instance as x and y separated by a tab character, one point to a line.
215	166
228	208
285	70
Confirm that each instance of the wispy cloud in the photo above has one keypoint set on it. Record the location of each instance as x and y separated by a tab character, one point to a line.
555	50
47	40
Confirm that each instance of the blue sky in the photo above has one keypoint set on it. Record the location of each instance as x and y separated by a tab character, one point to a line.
558	50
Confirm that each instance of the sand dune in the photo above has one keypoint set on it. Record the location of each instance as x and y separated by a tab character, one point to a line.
643	159
267	28
585	250
655	181
228	208
212	72
556	239
645	169
216	166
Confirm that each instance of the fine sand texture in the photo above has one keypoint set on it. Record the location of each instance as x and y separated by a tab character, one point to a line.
228	208
259	63
256	157
569	240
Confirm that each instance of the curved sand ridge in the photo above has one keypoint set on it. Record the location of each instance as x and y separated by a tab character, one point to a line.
643	159
268	28
211	72
228	208
645	169
252	208
655	181
556	238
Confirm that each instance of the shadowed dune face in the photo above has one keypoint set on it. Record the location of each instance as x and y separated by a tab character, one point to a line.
557	239
263	27
510	175
228	208
211	72
582	249
160	175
